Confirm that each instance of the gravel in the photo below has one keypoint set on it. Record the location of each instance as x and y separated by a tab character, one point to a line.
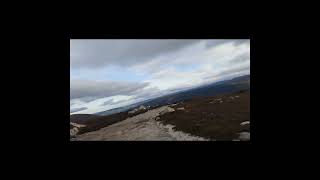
141	127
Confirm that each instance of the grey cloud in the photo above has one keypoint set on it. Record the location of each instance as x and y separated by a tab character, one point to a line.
98	89
100	53
241	41
216	42
87	99
111	102
234	70
230	72
148	93
241	58
77	109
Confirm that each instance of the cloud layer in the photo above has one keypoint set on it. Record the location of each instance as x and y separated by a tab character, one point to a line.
99	53
98	89
73	110
107	74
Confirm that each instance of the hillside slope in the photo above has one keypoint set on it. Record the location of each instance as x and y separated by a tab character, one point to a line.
224	117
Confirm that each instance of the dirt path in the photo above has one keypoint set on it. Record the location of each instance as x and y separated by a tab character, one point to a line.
140	127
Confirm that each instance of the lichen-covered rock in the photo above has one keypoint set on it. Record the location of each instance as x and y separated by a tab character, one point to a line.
166	110
74	129
137	110
73	132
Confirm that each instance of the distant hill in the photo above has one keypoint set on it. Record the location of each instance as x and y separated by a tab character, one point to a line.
120	109
82	118
221	87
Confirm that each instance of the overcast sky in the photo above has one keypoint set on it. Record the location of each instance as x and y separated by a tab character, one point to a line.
106	74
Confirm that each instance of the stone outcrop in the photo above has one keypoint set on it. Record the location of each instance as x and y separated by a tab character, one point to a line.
137	110
166	110
245	123
74	128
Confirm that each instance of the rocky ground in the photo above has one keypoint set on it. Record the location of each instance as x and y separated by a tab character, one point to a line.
224	117
140	127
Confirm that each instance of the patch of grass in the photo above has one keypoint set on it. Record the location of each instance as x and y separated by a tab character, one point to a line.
219	121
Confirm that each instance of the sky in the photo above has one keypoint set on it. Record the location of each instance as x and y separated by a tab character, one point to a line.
106	74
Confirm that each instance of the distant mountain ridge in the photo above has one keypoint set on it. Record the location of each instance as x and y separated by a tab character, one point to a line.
81	118
121	109
221	87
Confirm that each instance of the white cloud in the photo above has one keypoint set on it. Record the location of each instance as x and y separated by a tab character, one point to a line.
211	64
73	110
99	89
98	104
100	53
182	65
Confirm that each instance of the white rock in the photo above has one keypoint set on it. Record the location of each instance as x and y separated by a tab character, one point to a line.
74	131
137	109
166	110
182	109
77	125
142	108
244	123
